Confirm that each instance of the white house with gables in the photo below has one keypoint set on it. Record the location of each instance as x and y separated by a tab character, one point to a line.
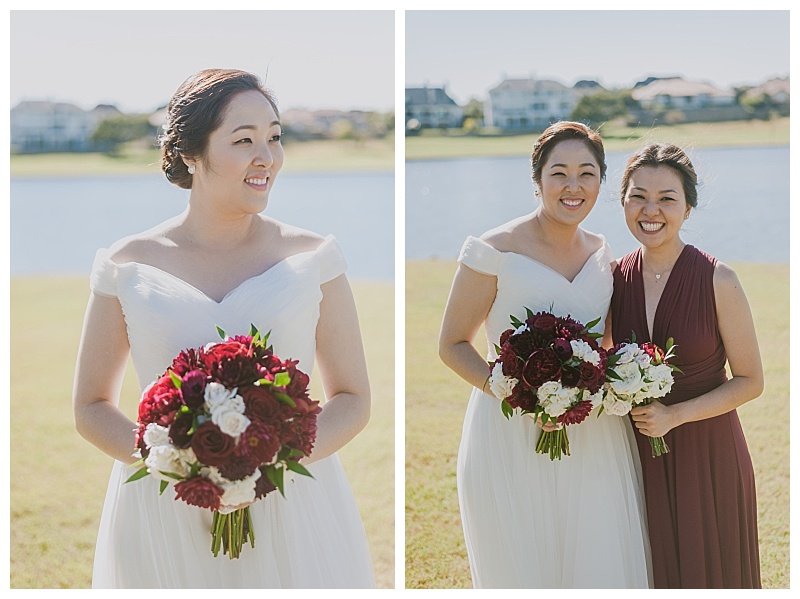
525	104
42	126
677	93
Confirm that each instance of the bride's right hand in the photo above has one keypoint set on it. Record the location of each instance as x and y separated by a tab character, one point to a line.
549	427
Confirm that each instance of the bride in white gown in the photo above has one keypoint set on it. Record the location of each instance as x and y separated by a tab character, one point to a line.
530	522
222	263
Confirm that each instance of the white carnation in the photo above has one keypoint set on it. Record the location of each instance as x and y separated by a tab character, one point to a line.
240	491
597	398
501	385
155	435
165	458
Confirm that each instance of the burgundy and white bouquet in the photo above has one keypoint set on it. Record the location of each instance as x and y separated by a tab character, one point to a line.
223	424
552	368
637	374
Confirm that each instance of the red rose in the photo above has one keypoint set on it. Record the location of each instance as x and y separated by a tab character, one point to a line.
199	491
570	377
542	366
592	376
512	365
260	404
523	398
523	343
543	321
211	446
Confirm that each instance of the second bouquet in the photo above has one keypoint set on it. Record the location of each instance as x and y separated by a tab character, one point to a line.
552	368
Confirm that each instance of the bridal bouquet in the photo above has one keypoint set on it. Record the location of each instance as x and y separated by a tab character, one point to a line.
637	374
223	424
552	368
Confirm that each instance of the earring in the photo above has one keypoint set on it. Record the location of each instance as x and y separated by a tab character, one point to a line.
191	169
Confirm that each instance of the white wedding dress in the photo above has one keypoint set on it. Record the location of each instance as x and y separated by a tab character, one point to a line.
530	522
314	538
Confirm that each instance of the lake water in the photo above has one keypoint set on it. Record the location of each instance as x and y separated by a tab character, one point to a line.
742	214
58	224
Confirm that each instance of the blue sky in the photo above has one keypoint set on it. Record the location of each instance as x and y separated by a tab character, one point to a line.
137	59
472	51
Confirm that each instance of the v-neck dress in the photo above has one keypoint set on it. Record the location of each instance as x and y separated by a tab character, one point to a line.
701	496
313	538
530	522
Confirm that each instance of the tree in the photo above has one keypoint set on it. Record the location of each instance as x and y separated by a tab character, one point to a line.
601	107
117	130
474	110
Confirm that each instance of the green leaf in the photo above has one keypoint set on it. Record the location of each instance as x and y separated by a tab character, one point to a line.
633	336
529	312
275	476
497	349
176	380
163	487
610	374
589	325
221	333
612	359
298	467
265	382
508	411
140	473
285	399
253	330
282	379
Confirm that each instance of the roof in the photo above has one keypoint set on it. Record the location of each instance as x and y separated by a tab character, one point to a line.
420	96
771	88
678	87
528	85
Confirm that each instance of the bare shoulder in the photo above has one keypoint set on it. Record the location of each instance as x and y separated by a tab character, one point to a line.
143	247
294	239
594	240
505	237
725	280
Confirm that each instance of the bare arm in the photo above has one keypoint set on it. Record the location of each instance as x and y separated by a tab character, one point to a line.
343	369
741	346
102	357
471	297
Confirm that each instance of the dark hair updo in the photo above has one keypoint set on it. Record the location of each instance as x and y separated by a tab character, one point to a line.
195	111
561	131
663	155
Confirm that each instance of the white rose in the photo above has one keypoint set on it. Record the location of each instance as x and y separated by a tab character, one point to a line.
230	422
583	351
216	395
596	399
165	458
240	491
631	379
613	406
628	352
501	385
643	359
548	389
155	435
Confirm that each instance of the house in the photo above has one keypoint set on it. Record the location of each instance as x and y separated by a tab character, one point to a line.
42	126
774	93
677	100
428	107
528	104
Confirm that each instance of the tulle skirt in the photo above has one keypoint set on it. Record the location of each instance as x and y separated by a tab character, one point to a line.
530	522
314	538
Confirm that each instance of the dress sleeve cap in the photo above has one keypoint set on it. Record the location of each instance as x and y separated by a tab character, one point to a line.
103	279
331	260
480	256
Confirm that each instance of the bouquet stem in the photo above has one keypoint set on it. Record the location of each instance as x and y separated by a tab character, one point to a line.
555	443
231	531
658	446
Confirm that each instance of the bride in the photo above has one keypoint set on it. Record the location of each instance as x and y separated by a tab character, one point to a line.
530	522
222	263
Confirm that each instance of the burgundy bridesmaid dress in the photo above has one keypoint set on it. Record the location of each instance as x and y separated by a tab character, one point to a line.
700	497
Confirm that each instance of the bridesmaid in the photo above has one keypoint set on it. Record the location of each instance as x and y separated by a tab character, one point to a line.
700	497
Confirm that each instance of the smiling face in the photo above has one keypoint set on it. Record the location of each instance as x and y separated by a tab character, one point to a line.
570	182
655	206
243	155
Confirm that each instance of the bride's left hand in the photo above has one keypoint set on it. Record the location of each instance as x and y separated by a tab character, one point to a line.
654	420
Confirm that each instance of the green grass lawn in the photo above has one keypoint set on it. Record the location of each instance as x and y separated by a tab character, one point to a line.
615	138
436	400
308	156
58	480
